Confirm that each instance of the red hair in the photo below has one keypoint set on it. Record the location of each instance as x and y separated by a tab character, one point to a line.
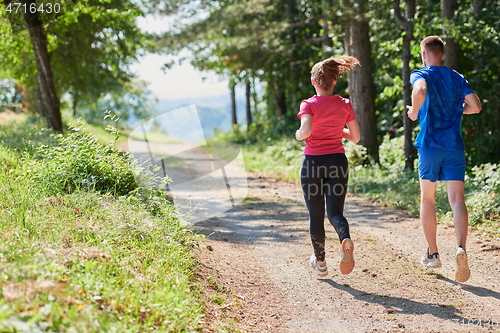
329	70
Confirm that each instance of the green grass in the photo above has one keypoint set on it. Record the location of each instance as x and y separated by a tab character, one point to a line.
82	260
281	161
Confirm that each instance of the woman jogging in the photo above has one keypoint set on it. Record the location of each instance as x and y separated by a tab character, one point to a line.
324	172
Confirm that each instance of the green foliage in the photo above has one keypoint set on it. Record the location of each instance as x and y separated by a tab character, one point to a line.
486	177
484	205
91	47
356	154
484	208
276	43
87	261
392	154
480	64
29	131
128	100
149	199
78	162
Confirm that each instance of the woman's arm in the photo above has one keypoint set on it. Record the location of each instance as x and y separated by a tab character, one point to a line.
305	127
351	133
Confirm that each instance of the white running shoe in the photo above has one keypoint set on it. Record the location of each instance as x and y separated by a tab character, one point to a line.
463	271
431	260
321	270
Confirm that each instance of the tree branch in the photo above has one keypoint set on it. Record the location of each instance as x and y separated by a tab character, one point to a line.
403	23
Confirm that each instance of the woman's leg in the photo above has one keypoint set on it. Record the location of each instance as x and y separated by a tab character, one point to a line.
335	188
312	188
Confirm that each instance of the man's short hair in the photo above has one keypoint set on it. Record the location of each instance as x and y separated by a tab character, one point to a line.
433	44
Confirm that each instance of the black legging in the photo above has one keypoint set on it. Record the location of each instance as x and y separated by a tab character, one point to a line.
320	176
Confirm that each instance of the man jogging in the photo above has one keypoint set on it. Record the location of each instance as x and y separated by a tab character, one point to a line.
440	96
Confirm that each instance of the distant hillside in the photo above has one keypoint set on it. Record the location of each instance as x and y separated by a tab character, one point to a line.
214	113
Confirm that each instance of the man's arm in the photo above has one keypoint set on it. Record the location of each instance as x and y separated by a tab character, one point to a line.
472	104
418	95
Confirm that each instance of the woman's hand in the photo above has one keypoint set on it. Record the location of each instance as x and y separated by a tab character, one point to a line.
305	127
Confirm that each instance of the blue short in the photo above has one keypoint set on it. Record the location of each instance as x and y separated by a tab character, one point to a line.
441	164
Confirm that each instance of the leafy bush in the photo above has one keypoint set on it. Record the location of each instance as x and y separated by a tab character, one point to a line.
83	261
391	153
356	154
484	200
486	177
483	206
286	150
77	161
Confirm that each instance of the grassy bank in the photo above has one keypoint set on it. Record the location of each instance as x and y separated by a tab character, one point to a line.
85	248
387	182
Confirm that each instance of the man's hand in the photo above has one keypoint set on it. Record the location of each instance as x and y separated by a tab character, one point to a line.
418	95
411	113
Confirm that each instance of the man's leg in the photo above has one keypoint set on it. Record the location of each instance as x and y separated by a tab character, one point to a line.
428	213
456	198
461	221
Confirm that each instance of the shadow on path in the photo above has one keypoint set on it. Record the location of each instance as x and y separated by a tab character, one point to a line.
400	304
478	291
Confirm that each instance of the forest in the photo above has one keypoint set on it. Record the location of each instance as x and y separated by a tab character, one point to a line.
79	58
85	246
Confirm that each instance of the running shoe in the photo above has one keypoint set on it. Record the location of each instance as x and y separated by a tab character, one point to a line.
431	260
463	271
321	270
347	256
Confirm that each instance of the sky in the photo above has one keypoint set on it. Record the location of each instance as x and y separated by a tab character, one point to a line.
180	81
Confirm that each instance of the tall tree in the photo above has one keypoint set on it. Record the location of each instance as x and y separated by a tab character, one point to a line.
89	50
273	41
407	25
326	41
452	48
48	95
232	88
361	87
248	95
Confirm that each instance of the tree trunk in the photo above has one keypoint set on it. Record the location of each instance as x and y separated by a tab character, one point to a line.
326	42
407	25
478	8
254	95
290	11
48	96
249	107
280	97
234	120
452	49
361	87
75	103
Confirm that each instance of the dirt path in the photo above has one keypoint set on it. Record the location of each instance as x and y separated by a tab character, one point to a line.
259	252
254	263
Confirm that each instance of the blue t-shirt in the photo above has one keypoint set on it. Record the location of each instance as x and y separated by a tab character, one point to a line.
441	114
